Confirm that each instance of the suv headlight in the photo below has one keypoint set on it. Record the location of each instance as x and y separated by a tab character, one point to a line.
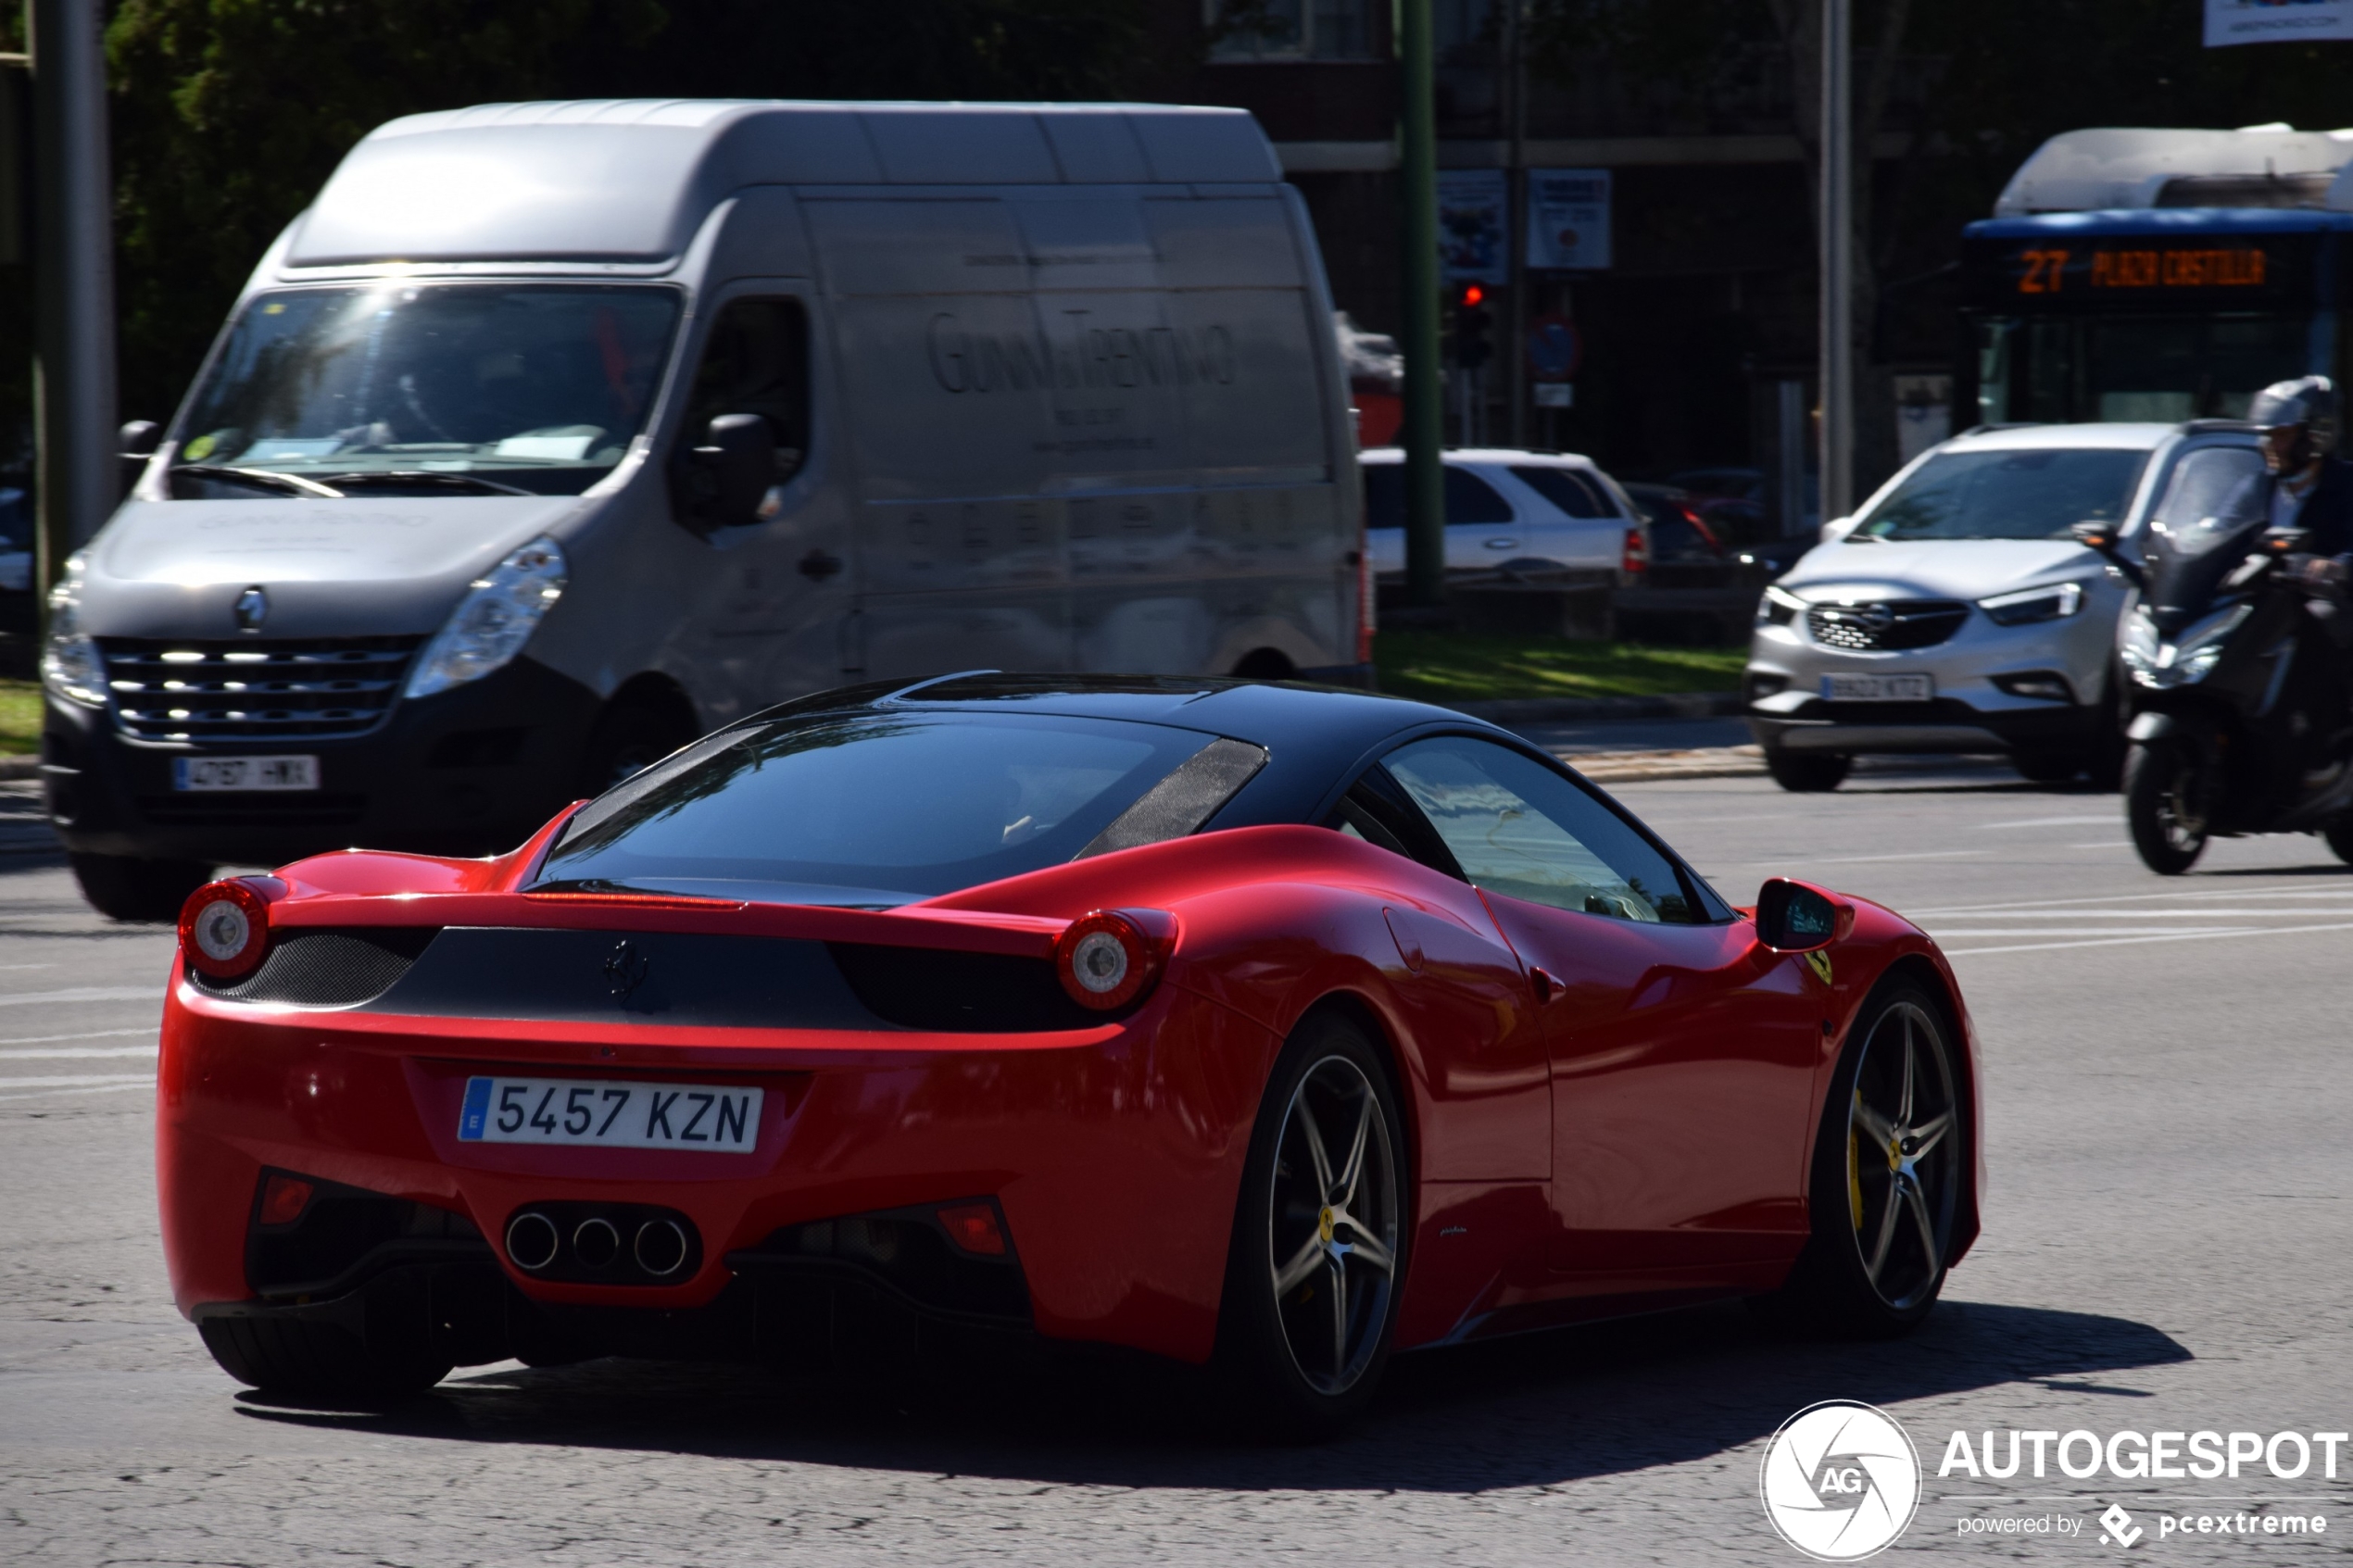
71	666
493	620
1779	607
2054	601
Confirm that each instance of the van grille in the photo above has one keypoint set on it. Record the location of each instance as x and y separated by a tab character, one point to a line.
1897	623
274	691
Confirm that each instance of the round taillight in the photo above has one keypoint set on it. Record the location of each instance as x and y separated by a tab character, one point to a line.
225	929
1105	960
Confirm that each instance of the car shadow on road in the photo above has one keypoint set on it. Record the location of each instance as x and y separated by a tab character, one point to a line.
1527	1411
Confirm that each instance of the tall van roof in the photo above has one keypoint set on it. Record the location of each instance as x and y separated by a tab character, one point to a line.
631	180
2262	166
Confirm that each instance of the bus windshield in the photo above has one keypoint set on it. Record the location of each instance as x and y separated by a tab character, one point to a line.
2064	370
449	387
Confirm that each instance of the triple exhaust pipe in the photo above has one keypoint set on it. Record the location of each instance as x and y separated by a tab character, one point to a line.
535	1243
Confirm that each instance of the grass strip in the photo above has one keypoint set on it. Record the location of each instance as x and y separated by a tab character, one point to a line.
1456	667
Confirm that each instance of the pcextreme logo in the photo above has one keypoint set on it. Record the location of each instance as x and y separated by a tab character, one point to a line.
1840	1480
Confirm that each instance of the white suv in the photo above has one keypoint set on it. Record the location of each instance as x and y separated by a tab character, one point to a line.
1953	613
1508	508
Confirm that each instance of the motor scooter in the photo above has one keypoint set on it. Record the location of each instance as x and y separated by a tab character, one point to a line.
2237	710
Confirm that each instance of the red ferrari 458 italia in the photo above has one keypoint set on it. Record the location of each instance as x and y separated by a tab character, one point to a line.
1279	1027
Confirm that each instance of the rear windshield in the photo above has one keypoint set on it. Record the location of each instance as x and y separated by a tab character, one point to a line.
2032	494
1572	493
868	809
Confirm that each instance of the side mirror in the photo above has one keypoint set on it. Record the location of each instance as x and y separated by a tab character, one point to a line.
1836	529
737	461
135	443
1793	917
2101	537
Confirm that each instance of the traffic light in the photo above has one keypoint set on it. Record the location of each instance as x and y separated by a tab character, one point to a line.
1472	323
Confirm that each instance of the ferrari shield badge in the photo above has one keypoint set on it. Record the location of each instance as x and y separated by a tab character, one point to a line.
1819	962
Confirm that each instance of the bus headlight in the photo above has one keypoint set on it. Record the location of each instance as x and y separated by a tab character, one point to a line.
493	620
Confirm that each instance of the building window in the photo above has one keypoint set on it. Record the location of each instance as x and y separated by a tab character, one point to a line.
1291	29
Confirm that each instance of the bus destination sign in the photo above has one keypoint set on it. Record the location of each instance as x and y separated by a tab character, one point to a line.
2048	270
2127	270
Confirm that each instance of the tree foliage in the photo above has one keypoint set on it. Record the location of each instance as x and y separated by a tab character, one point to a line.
230	114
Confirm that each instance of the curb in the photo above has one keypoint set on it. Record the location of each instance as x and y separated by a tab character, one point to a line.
24	766
1550	709
1647	767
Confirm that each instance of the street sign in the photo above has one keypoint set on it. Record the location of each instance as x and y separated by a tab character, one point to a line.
1553	348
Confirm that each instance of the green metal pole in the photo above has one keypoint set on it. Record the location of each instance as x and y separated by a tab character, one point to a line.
1424	431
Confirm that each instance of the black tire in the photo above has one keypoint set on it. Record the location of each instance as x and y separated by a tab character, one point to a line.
2160	785
122	888
2339	835
2048	766
1807	772
315	1361
1889	1174
631	736
1297	1374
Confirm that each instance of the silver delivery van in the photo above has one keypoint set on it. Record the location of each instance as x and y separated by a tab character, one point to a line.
553	435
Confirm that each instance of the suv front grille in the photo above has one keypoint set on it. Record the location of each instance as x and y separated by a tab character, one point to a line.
1890	624
254	690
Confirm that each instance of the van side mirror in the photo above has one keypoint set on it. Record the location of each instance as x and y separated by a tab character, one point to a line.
1793	917
135	443
736	464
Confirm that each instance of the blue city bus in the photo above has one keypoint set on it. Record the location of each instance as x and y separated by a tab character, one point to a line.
2166	313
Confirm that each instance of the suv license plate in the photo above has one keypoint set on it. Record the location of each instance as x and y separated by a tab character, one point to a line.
605	1113
244	772
1878	688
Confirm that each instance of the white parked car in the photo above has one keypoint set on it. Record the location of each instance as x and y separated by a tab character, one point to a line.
1506	507
1955	613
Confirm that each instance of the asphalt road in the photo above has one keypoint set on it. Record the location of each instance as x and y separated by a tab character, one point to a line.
2166	1249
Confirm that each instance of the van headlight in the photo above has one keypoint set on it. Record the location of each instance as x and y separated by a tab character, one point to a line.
71	666
2054	601
493	620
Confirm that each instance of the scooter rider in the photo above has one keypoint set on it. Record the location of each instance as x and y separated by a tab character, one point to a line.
2310	488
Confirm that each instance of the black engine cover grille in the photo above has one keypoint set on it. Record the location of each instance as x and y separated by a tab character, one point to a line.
327	968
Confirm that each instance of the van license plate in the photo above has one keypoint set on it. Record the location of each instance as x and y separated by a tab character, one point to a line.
601	1114
1878	688
244	772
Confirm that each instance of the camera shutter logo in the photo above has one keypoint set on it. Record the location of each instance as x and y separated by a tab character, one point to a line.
1840	1480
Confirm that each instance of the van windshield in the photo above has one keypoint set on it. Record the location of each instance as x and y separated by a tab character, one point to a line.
442	389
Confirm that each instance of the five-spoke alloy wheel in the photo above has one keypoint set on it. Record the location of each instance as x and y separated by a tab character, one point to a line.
1890	1174
1901	1138
1318	1256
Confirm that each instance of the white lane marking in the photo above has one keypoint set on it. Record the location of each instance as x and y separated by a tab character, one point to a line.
2283	890
78	1078
2159	914
2048	822
85	993
92	1035
2166	936
99	1089
85	1052
1853	859
1943	935
17	966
